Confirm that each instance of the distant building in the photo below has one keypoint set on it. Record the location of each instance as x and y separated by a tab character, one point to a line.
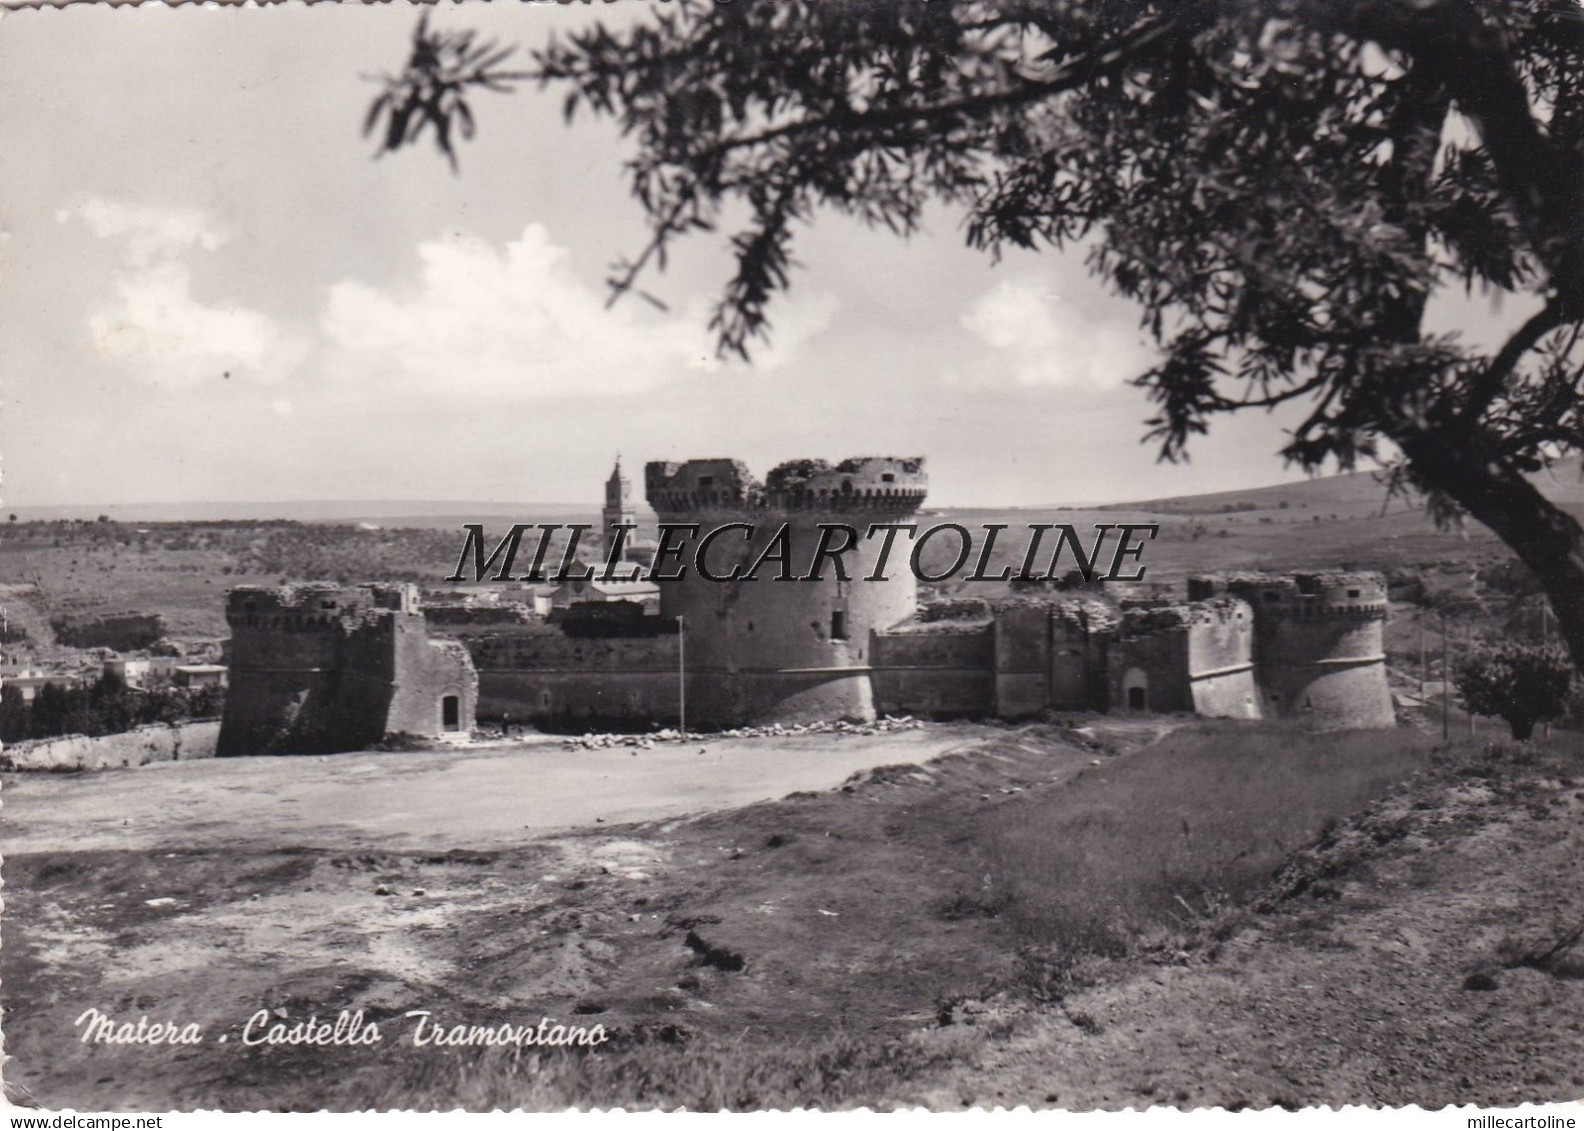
142	671
539	599
195	676
28	685
576	590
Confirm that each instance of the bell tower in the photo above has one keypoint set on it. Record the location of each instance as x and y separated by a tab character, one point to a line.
618	509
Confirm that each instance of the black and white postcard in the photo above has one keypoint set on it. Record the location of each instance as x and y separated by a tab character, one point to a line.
764	554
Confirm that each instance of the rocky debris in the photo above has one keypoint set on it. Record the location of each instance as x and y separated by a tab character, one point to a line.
773	730
717	956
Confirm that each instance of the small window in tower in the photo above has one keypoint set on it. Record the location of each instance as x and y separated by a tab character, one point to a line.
887	477
1272	595
838	625
1353	593
706	481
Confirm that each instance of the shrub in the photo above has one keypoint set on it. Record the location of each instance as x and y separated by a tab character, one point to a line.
1523	684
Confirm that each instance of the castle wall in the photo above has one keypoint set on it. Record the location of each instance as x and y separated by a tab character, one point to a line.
428	671
1221	663
1157	662
1022	661
938	673
1079	665
557	681
1196	657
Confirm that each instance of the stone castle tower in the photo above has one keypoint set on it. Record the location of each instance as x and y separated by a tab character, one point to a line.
322	668
618	509
1319	643
763	649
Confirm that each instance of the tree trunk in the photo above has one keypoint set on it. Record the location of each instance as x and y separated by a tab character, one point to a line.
1546	538
1522	729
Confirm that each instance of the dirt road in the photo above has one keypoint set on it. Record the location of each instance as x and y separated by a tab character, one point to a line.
487	797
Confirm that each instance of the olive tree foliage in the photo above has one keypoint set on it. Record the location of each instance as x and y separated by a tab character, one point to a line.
1523	684
1280	186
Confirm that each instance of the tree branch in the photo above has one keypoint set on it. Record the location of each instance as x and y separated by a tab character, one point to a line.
1071	76
1488	386
1472	61
1231	404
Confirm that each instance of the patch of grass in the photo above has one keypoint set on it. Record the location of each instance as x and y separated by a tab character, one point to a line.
1170	836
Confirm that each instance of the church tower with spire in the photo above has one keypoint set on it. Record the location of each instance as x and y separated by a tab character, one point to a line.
618	509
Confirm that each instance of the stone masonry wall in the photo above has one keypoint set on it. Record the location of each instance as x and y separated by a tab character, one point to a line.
159	742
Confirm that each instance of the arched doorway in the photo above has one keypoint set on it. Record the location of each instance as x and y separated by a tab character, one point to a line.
451	712
1135	690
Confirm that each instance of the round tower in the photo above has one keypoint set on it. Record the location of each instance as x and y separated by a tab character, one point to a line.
762	649
1319	648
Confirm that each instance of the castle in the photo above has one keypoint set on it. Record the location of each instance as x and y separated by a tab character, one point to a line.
325	667
1242	645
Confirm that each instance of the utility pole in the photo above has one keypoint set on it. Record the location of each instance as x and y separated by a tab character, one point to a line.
1446	682
1545	639
1421	660
682	675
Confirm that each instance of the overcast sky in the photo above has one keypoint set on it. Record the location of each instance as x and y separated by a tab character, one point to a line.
211	291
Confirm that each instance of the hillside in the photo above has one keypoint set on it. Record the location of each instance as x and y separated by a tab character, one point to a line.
1355	495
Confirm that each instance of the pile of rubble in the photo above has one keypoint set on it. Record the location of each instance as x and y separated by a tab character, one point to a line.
773	730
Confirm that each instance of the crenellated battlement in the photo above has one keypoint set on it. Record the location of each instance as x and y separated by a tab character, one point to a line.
317	606
882	484
1149	620
1331	595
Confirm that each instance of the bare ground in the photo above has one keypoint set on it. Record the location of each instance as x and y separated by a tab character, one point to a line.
833	948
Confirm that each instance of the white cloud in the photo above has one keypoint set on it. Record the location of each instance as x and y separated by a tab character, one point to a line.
794	321
150	233
515	322
155	327
1037	338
